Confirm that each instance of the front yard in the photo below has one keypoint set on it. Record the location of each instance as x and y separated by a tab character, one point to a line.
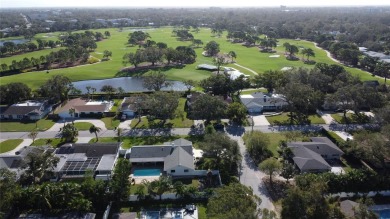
180	120
283	119
54	142
9	145
26	126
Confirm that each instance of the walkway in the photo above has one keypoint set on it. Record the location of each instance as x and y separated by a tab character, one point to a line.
252	177
59	125
246	68
326	117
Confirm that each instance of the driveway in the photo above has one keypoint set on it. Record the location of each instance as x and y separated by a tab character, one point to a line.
344	135
326	117
125	124
58	125
83	139
251	176
260	120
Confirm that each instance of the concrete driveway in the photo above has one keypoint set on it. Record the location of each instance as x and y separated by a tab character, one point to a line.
125	124
260	120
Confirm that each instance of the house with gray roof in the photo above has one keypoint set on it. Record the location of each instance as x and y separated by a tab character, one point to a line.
175	157
26	110
77	159
258	102
312	156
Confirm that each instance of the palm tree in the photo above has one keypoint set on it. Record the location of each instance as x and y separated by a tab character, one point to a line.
180	189
95	129
309	53
140	192
33	135
119	133
232	54
69	132
163	184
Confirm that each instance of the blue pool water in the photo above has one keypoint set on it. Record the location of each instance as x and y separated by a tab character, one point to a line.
384	214
147	172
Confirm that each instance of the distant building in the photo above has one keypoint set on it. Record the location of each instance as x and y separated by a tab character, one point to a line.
26	110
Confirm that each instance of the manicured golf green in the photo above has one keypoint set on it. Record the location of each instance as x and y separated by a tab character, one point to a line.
246	57
9	145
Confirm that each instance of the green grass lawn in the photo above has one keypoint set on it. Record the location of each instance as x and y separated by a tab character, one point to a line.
248	57
202	211
9	145
180	120
82	126
284	119
54	142
128	142
251	91
110	122
117	103
25	126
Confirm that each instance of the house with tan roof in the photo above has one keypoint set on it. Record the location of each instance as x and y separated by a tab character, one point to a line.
84	108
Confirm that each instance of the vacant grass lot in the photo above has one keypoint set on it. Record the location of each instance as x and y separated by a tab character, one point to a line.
9	145
247	57
284	119
180	120
25	126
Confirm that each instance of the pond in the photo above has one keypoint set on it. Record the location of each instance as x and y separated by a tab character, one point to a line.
129	84
16	41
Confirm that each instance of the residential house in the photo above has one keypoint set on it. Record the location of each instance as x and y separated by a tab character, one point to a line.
84	108
258	102
27	110
313	156
15	162
233	73
175	157
130	105
76	159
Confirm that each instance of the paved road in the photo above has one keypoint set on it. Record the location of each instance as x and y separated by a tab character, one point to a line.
252	177
232	130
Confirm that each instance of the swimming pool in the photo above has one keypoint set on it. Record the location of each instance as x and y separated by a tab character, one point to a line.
147	172
384	214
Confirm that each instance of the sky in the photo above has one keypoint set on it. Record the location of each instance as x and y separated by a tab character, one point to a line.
186	3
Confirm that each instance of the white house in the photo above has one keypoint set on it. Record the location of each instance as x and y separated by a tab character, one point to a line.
233	73
258	102
84	107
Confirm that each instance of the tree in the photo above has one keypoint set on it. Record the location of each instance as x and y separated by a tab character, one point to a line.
308	52
109	89
56	88
189	84
162	105
72	112
234	201
288	171
232	55
382	69
219	84
107	33
38	164
33	135
69	132
170	54
212	48
138	37
119	133
134	58
120	183
240	83
163	184
153	55
95	129
197	42
236	112
107	54
208	107
257	144
218	61
14	92
270	79
155	81
9	190
270	166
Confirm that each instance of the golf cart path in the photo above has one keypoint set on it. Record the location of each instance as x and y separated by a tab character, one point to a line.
246	68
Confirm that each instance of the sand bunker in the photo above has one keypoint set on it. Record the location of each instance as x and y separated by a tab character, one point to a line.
286	68
274	56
